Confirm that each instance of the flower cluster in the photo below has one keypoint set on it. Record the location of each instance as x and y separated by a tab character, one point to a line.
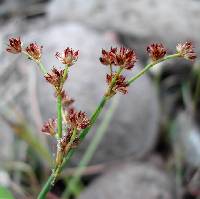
34	51
77	120
186	50
123	57
14	46
156	51
49	127
121	85
56	78
68	57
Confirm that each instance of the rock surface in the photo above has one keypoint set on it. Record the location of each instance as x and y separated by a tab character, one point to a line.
138	22
131	181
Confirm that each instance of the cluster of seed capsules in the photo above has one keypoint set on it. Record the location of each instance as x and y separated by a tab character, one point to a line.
122	58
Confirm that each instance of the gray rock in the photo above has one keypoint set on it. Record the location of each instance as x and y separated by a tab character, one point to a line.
133	130
139	22
131	181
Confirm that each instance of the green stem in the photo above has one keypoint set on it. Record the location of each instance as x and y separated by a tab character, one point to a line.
111	70
59	115
42	67
95	115
92	148
151	65
65	72
46	187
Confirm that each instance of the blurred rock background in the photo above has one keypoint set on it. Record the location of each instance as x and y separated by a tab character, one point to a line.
140	127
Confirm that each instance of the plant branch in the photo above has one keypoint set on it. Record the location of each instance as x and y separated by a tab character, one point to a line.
91	148
94	117
151	65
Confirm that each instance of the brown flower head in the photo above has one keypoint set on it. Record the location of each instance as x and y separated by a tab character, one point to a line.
14	46
186	50
108	56
34	51
121	85
55	77
68	57
67	101
49	127
125	58
77	120
156	51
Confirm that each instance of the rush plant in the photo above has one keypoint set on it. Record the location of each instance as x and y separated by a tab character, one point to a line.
71	125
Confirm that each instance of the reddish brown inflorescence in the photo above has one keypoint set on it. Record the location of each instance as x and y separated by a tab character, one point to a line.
124	57
121	85
68	57
34	51
186	50
55	77
156	51
14	46
77	120
50	127
108	57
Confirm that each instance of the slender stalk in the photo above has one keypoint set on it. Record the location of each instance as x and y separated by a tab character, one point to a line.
59	115
91	148
151	65
111	70
65	72
45	190
94	117
42	67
